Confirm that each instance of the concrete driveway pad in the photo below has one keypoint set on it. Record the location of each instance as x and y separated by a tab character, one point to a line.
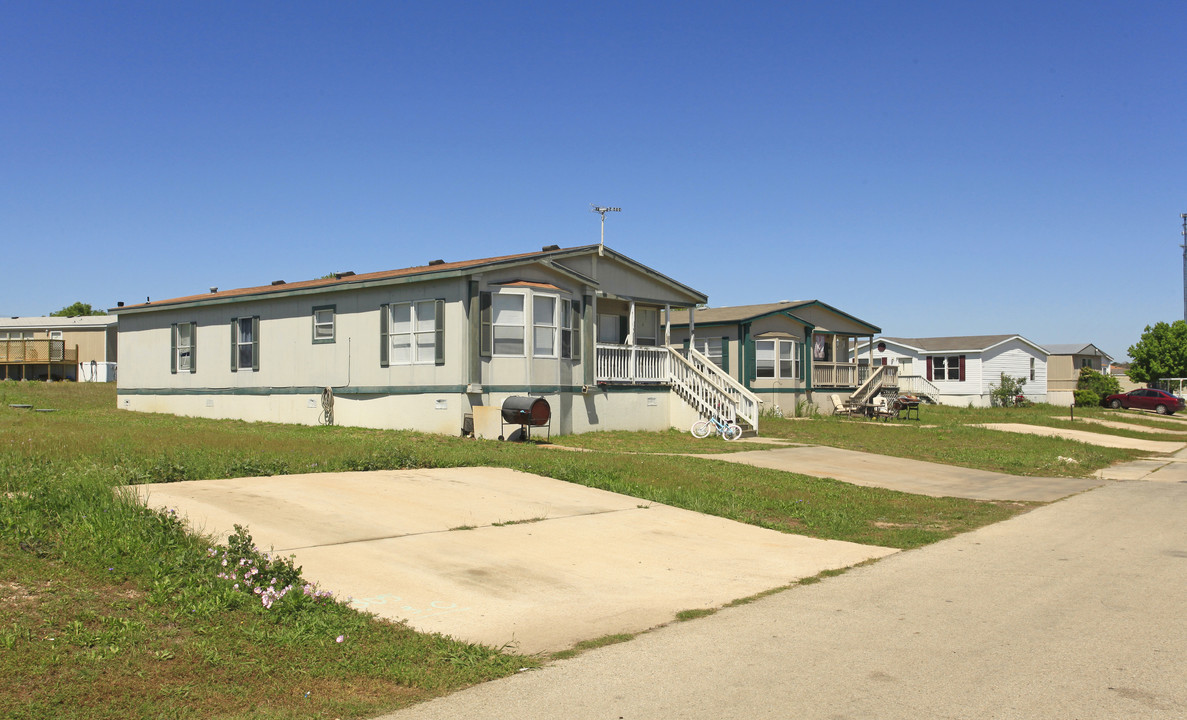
545	564
913	476
1092	438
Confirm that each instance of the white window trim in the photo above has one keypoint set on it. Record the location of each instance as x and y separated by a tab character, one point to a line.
523	326
777	344
331	324
553	325
188	348
702	345
413	333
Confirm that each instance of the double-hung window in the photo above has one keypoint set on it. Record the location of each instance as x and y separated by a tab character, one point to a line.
507	324
413	333
946	367
776	359
184	350
544	326
646	326
245	343
323	324
712	348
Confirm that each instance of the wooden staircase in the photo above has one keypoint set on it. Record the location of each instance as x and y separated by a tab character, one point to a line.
710	391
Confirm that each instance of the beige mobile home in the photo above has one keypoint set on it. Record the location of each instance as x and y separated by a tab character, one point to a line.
58	348
1064	365
436	347
784	353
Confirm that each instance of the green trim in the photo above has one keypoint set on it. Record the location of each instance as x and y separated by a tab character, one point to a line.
588	340
374	390
809	359
333	324
760	391
474	333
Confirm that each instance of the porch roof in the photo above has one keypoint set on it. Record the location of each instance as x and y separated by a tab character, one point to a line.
745	313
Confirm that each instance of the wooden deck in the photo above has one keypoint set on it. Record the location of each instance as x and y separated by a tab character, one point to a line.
37	359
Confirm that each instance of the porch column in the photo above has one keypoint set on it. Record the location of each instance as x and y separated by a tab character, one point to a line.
667	325
630	340
692	328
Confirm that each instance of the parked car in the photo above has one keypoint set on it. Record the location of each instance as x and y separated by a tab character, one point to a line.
1160	401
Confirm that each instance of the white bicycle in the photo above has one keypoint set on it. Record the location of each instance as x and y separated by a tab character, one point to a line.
727	430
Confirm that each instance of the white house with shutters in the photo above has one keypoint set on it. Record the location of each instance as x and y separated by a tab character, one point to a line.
961	370
435	347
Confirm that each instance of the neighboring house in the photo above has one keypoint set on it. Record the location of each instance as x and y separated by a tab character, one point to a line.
785	352
962	370
58	348
1064	365
437	347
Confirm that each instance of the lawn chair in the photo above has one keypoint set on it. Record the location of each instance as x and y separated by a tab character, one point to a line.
839	407
884	410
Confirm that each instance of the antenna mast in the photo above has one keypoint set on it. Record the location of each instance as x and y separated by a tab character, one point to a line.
1183	216
603	210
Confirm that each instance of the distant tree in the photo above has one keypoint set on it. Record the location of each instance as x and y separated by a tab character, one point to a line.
1160	353
78	308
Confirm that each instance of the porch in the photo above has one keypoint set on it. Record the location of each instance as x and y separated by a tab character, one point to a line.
37	359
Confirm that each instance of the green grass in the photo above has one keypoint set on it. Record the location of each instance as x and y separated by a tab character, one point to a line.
948	435
142	627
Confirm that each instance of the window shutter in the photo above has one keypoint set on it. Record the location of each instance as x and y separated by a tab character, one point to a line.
193	347
173	348
575	323
234	344
750	361
883	361
725	355
384	340
962	368
624	328
687	344
485	339
439	332
929	368
255	343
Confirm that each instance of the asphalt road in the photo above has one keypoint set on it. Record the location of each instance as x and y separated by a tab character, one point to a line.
1074	610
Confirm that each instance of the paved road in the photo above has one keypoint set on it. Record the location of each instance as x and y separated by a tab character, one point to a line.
1074	610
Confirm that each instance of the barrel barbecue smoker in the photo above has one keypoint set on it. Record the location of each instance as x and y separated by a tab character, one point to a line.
526	412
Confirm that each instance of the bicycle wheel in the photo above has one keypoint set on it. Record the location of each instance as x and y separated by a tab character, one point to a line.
701	428
732	431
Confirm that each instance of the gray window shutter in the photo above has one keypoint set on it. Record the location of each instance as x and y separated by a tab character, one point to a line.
193	347
725	355
486	341
384	335
255	343
439	332
234	344
575	324
173	348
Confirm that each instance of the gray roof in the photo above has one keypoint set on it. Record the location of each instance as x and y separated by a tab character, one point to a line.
734	313
967	343
1076	349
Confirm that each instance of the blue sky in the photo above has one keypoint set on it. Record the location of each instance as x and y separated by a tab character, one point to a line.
935	168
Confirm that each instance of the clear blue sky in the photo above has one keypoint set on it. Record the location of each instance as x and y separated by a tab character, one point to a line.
940	168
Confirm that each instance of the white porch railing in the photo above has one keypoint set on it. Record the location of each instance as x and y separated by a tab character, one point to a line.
838	374
747	405
632	363
917	385
695	378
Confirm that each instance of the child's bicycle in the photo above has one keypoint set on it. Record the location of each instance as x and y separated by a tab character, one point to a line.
727	430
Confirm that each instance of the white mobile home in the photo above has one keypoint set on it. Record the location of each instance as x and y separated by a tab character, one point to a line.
961	370
437	347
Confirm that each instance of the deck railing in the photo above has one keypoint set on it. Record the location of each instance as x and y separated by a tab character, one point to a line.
632	363
826	374
37	352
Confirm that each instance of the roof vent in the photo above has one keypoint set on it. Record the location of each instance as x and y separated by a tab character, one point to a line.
550	248
213	288
340	275
278	282
436	262
120	303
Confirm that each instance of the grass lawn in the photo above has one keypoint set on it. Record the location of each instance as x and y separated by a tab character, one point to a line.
111	610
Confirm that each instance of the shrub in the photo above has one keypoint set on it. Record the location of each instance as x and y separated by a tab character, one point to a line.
1007	389
1092	381
1087	398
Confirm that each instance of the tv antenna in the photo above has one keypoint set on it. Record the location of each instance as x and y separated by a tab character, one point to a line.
602	211
1183	216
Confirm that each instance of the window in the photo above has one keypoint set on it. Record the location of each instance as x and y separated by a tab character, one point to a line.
55	334
822	348
544	326
610	329
646	326
185	348
245	343
776	359
712	349
508	324
416	333
947	367
1032	368
323	324
1084	363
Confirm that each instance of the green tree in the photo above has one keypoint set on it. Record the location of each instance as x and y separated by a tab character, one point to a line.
1092	387
1007	390
1160	353
78	308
